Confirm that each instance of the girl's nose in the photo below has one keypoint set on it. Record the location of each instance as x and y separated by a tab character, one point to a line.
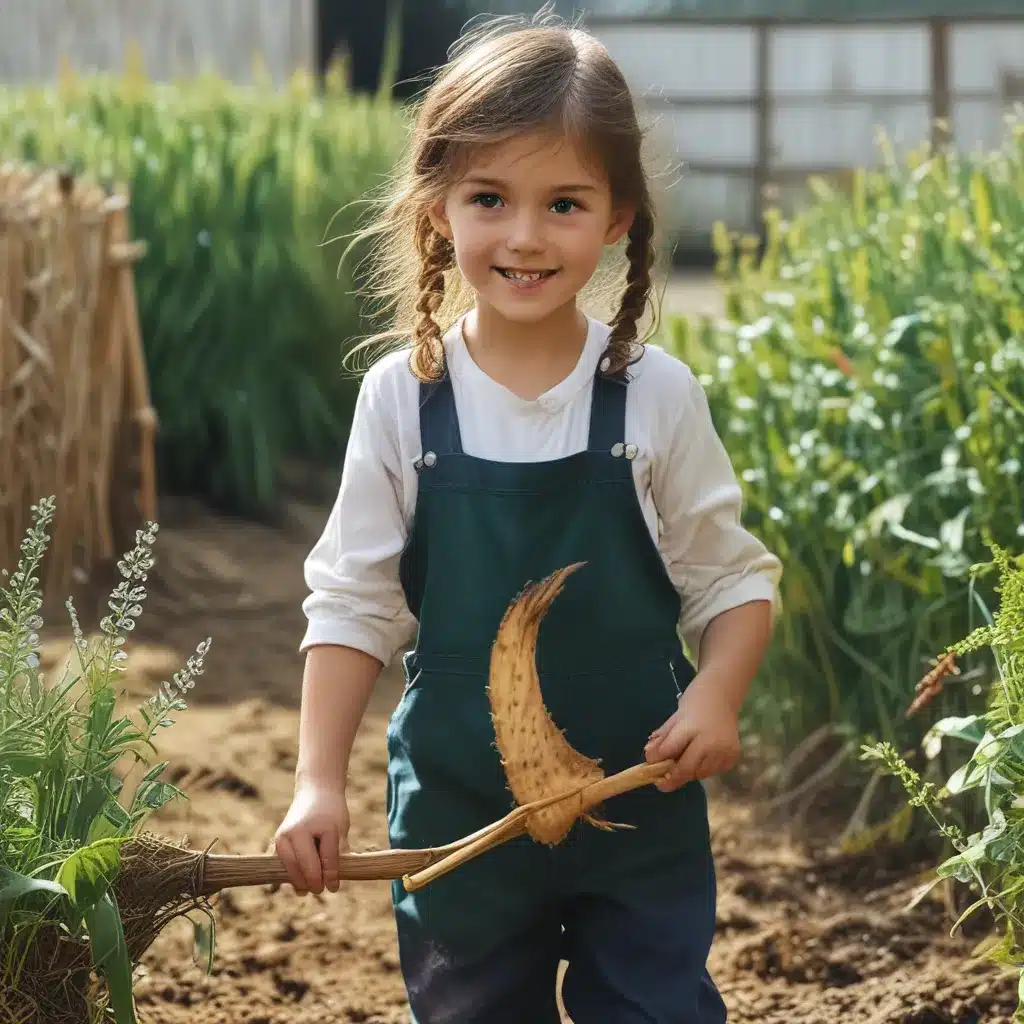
525	233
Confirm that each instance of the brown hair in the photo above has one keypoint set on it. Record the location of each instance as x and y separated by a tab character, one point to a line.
511	76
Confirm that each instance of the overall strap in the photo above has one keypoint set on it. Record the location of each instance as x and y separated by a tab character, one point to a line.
608	412
439	420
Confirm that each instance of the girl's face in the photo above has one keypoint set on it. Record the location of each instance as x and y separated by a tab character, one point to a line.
529	219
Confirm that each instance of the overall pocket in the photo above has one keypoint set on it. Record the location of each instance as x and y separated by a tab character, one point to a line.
609	715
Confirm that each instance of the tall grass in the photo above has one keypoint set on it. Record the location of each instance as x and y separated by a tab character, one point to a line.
244	312
868	381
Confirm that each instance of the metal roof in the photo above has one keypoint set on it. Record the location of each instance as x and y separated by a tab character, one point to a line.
726	10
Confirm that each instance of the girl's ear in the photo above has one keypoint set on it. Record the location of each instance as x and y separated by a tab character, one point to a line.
621	222
438	215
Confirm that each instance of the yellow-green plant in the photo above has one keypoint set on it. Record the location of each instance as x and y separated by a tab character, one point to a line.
991	860
868	381
67	805
245	310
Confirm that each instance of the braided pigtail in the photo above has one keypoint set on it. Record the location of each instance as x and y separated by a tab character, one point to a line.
436	256
641	254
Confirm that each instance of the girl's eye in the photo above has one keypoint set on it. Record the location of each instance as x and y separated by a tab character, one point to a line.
488	200
564	205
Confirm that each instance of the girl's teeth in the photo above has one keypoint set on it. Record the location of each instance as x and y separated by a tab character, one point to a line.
516	276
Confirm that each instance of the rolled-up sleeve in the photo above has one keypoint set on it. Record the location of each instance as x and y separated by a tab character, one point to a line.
715	563
356	599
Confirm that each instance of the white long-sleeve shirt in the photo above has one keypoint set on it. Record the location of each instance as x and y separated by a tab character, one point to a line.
685	483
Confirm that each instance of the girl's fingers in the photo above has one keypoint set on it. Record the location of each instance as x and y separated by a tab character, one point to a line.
286	852
710	764
683	770
309	861
672	743
329	844
664	729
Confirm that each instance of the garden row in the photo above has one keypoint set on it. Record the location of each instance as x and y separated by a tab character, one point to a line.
869	385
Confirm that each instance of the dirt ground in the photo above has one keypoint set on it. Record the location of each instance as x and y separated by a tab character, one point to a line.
803	935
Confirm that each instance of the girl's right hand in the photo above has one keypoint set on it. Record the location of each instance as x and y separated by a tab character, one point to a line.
312	836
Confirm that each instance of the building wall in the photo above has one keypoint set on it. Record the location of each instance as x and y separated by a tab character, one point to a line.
176	37
741	106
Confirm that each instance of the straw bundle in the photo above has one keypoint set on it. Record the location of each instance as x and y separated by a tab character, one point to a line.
75	417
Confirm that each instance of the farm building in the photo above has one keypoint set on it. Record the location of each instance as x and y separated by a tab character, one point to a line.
748	97
174	37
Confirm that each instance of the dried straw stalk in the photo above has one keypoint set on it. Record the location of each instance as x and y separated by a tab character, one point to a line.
72	377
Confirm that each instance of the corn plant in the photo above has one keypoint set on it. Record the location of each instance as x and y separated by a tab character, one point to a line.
990	860
868	381
245	311
66	806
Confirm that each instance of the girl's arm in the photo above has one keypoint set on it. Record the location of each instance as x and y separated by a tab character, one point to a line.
702	735
728	582
733	647
715	563
336	687
355	597
357	620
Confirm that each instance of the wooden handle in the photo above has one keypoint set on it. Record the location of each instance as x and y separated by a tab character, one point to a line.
230	871
418	868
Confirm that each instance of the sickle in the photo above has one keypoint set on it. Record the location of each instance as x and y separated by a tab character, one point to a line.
554	785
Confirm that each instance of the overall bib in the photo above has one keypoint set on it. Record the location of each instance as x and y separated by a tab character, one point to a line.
633	911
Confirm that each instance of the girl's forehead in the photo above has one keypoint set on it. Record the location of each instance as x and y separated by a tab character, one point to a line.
533	158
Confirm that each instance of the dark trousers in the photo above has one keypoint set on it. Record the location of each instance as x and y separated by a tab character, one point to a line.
636	951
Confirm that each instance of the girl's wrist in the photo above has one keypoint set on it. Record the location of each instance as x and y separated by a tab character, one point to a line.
313	777
725	684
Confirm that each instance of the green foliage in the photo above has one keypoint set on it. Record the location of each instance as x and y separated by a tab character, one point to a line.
991	860
868	382
244	310
66	754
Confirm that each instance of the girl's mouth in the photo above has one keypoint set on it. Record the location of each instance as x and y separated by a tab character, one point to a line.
525	279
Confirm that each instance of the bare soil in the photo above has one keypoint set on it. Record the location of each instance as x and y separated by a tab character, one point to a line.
804	935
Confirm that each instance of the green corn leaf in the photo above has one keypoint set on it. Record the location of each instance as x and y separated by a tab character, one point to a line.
14	885
204	931
88	872
110	956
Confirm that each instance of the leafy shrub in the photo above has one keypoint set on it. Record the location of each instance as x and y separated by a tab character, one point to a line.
868	381
244	314
66	805
991	860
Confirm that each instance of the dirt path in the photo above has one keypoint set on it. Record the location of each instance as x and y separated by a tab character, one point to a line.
801	939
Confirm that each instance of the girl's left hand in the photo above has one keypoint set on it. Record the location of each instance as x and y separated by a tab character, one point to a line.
702	736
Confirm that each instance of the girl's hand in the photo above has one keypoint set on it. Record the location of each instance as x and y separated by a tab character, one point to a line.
312	836
702	736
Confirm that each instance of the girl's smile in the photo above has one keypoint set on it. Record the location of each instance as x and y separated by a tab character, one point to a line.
526	282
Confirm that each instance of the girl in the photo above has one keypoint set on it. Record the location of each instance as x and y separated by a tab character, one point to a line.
517	436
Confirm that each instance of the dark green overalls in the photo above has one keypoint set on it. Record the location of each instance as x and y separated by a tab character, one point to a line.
633	911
